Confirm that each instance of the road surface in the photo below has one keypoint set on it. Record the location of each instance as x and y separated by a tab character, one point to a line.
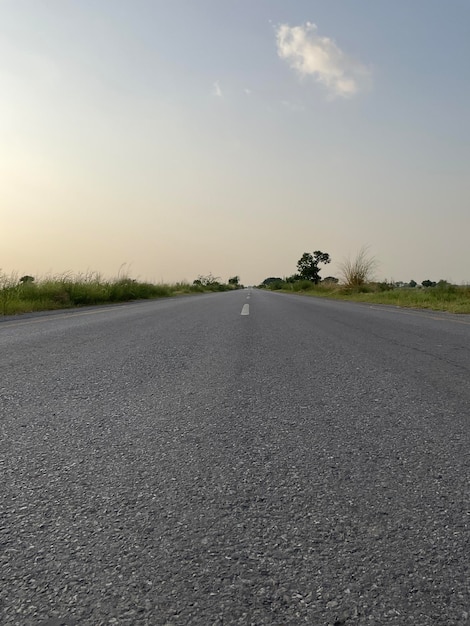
244	458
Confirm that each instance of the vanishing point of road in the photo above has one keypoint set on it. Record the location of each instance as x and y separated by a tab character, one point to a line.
243	458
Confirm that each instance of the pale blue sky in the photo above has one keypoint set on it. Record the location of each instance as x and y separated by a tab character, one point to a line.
183	137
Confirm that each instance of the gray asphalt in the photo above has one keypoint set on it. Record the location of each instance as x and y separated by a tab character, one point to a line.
175	462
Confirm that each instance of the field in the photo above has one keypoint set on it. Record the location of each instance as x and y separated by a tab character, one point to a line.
442	297
26	295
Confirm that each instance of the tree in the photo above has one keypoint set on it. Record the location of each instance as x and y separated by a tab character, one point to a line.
429	283
307	265
207	281
272	282
292	279
235	280
27	279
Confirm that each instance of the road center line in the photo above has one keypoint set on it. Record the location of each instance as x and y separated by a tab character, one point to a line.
245	309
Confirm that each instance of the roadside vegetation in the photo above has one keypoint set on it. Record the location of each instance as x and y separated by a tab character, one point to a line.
27	294
356	282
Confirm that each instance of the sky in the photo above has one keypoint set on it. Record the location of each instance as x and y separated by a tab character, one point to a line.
169	139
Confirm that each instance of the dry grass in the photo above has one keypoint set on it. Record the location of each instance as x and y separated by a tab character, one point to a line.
442	297
72	290
358	270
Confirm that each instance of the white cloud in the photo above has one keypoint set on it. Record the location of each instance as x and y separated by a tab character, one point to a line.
216	90
320	57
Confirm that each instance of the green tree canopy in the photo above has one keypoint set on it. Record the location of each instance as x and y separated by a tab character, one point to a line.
307	265
27	279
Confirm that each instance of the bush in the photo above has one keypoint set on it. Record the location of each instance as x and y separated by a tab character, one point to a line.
302	285
358	271
385	286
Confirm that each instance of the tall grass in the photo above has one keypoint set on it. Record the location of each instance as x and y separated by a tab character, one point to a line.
69	290
359	270
442	297
8	291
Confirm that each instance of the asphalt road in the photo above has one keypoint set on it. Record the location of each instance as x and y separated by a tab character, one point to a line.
178	462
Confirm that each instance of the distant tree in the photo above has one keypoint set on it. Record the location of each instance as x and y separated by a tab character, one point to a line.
429	283
207	281
271	279
27	279
385	285
273	283
292	279
308	263
235	280
412	283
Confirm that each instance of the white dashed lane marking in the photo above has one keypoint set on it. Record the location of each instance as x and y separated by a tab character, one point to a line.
245	309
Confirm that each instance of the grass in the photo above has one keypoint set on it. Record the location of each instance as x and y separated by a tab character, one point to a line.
359	270
68	291
442	297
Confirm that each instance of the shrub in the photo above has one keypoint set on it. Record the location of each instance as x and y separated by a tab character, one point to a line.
385	286
302	285
359	270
